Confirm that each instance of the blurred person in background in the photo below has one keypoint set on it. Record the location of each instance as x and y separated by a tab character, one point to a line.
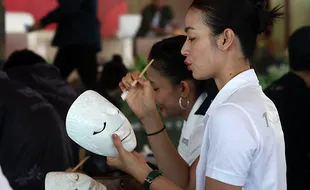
32	70
33	139
77	37
291	95
155	18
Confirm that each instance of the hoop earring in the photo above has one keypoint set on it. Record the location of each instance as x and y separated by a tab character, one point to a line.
180	104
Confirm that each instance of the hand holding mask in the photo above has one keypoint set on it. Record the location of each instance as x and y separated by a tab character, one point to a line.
92	120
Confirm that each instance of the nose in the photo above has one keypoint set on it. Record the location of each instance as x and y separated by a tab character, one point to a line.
185	48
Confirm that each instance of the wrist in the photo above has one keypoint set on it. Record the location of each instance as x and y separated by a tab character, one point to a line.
152	122
141	175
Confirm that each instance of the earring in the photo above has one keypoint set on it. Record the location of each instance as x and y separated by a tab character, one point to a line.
180	104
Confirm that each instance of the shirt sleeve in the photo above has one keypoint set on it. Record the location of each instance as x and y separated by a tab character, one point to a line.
65	9
196	141
232	143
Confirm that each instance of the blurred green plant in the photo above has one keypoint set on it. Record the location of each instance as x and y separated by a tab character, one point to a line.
274	72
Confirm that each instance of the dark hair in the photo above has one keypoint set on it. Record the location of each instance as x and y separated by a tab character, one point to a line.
169	61
23	58
299	52
112	73
247	18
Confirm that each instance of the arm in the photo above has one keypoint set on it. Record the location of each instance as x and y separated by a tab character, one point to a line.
167	157
65	9
212	184
232	145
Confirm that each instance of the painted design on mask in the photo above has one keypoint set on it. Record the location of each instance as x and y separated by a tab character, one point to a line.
91	121
71	181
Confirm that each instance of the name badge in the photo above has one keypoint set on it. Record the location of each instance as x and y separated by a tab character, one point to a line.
185	141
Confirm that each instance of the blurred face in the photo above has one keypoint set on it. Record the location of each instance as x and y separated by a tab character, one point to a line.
166	94
200	49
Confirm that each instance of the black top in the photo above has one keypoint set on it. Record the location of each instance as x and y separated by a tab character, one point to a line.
46	80
148	13
77	23
291	96
32	137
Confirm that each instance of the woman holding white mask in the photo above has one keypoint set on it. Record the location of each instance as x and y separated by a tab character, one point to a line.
243	145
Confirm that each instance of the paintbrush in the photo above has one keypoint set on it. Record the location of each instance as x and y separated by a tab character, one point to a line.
125	94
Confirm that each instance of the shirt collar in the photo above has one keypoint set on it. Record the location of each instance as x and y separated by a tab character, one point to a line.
243	79
197	105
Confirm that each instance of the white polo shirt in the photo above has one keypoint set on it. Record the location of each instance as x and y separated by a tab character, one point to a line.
4	184
192	133
243	143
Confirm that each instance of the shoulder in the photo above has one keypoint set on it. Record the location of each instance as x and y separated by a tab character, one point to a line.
230	121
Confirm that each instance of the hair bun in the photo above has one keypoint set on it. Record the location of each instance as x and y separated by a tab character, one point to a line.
117	58
265	18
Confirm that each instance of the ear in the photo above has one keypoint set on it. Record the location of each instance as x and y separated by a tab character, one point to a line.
225	39
185	89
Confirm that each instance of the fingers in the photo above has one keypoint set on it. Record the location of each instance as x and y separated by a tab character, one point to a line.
129	80
118	145
144	82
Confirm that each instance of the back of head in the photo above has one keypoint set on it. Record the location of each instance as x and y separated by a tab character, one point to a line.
23	58
299	52
170	62
113	72
247	18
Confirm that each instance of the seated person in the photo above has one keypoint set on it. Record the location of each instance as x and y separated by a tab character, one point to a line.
155	19
33	139
32	70
177	94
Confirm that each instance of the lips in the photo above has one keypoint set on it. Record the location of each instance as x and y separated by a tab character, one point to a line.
188	65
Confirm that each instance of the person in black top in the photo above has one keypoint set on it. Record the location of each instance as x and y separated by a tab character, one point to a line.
155	17
32	70
33	139
77	37
291	96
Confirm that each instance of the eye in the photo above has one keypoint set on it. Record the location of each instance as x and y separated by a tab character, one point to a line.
155	89
104	126
191	39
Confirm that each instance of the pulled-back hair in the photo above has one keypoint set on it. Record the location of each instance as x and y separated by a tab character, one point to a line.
247	18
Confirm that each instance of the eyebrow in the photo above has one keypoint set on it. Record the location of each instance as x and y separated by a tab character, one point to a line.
188	28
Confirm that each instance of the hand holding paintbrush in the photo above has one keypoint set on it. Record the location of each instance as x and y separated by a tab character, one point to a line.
125	94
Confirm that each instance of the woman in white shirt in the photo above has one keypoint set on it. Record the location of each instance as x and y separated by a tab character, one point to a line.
177	94
243	144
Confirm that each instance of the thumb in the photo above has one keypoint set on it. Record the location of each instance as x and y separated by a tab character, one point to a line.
118	145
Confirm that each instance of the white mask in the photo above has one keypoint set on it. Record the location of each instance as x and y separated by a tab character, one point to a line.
71	181
91	122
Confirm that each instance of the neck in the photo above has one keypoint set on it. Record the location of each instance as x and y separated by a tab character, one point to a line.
232	68
305	75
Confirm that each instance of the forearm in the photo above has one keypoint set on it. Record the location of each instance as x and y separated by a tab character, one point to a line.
163	183
51	17
167	157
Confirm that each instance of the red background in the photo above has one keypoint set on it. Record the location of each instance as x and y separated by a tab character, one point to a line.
108	12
